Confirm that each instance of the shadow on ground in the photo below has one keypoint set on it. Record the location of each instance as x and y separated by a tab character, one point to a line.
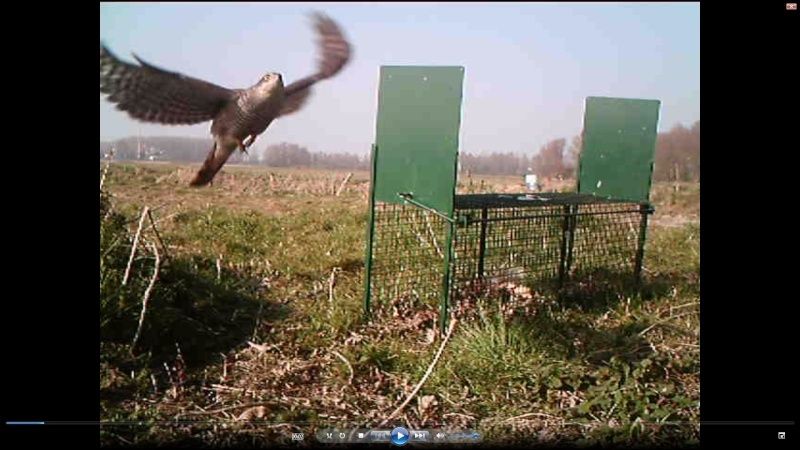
564	319
573	331
601	289
203	311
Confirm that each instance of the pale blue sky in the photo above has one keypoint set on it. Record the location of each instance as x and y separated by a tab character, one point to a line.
529	66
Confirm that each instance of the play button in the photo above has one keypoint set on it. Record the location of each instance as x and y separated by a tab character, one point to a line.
399	436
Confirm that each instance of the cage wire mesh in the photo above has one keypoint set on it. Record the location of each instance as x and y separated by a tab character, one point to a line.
575	244
407	256
604	255
508	249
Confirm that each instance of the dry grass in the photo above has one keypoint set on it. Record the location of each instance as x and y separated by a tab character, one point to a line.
268	346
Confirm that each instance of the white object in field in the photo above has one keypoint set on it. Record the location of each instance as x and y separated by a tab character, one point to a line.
532	182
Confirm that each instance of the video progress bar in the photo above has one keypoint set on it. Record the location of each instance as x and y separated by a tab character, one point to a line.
148	422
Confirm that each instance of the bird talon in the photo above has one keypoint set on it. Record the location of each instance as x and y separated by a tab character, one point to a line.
242	146
247	143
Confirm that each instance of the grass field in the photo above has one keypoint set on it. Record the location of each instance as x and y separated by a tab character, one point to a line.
254	329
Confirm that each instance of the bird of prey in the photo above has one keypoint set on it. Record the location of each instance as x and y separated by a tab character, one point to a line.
152	94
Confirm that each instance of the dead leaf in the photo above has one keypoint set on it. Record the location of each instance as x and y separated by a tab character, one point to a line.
256	412
430	336
426	403
260	348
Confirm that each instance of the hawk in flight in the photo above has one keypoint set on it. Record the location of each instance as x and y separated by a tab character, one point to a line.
151	94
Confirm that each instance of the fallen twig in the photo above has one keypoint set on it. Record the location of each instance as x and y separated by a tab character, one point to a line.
672	308
424	377
168	216
105	169
344	182
349	367
466	416
642	333
533	414
146	298
128	222
103	178
331	285
227	408
133	248
158	235
220	387
259	347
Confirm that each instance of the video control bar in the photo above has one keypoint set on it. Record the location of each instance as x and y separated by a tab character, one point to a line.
396	436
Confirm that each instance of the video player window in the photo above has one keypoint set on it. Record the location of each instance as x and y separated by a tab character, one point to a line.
399	224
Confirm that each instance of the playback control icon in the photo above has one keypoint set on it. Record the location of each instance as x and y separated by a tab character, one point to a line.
399	436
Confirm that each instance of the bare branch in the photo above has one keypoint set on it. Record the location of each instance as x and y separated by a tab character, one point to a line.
344	182
424	377
133	248
158	235
349	367
146	297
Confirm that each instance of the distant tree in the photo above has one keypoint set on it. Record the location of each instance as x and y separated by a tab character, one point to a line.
678	154
549	162
286	155
339	161
573	155
494	163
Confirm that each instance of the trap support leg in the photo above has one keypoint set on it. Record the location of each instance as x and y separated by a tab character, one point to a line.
448	257
562	268
370	235
573	222
645	210
482	243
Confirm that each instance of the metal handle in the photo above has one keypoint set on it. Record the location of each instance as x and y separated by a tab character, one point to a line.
409	197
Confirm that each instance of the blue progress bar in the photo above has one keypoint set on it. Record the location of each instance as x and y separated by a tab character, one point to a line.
24	423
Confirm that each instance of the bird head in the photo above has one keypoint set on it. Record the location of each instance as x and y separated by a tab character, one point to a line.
271	79
269	84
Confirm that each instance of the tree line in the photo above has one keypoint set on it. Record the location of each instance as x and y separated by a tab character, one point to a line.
677	158
677	155
179	149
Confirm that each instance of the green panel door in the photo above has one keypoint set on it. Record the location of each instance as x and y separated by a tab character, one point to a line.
619	141
419	114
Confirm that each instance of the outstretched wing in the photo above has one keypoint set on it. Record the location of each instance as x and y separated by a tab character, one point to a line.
152	94
335	52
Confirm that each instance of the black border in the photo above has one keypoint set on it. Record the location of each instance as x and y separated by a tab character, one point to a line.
51	333
749	95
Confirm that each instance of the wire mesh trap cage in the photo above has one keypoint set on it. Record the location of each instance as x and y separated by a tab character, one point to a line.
425	244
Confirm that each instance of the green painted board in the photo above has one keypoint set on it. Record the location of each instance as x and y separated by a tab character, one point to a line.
419	115
619	141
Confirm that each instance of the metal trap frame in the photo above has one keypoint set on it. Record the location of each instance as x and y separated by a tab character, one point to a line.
425	244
